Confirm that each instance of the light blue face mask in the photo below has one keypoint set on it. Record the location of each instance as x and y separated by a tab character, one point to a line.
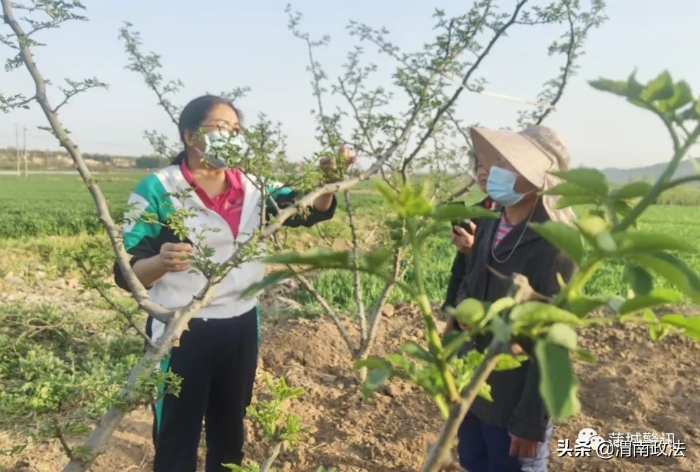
217	147
501	186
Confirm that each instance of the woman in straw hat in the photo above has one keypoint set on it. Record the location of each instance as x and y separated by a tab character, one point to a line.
512	432
462	239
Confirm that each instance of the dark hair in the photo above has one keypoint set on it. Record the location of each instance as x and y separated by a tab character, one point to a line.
194	114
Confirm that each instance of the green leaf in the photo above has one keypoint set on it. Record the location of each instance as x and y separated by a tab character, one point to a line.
563	236
660	88
618	87
582	305
470	312
672	269
453	341
562	335
388	194
605	242
416	351
690	324
592	225
647	317
509	362
537	313
270	280
375	379
591	179
318	257
634	89
462	212
558	382
632	241
632	190
621	207
401	362
377	258
372	363
597	231
585	356
658	331
660	296
568	189
501	331
565	202
497	307
639	279
682	95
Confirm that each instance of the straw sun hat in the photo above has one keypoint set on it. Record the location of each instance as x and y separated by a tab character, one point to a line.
534	153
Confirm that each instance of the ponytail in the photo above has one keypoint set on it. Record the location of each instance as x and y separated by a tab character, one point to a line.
179	159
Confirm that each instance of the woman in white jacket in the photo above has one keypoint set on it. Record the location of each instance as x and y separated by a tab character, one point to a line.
217	355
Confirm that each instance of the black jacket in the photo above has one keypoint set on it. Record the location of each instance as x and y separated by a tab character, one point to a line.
517	405
459	265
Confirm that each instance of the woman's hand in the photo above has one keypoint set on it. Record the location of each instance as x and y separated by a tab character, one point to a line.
329	165
522	447
461	238
175	257
332	174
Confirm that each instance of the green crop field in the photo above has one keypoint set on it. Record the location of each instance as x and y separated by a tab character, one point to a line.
41	211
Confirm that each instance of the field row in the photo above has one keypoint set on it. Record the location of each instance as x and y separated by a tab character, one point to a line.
59	205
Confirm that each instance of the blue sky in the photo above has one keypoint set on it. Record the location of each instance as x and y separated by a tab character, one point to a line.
223	44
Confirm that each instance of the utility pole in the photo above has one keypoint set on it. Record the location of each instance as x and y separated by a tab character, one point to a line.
17	152
24	148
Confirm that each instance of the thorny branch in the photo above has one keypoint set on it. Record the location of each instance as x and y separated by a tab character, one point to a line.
308	286
15	101
357	277
271	455
147	65
77	87
579	25
378	307
58	434
140	293
129	316
465	81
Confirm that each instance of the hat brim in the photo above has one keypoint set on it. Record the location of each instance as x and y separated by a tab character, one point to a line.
526	158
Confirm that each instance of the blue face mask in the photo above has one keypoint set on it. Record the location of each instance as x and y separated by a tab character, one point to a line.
217	147
501	186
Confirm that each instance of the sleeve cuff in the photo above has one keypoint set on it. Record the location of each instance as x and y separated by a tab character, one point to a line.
522	429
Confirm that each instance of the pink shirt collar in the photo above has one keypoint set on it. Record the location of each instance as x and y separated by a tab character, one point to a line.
233	177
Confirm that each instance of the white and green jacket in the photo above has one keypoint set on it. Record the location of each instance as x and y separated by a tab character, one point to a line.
153	198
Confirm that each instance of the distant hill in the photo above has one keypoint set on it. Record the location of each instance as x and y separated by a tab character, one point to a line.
652	172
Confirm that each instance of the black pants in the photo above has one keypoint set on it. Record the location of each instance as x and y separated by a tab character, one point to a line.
217	360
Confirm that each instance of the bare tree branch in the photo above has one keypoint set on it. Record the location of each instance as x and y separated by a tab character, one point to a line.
271	456
129	316
465	80
376	315
15	101
77	87
62	439
357	278
329	311
147	65
137	288
579	25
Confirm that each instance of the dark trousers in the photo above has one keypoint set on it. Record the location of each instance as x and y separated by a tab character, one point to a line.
216	360
485	448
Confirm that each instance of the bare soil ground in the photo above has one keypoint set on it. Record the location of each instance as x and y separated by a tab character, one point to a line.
637	386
